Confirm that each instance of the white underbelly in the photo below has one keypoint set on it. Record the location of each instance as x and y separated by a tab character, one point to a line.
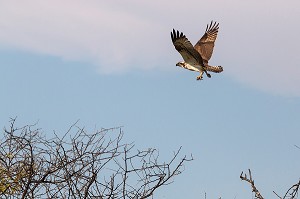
194	68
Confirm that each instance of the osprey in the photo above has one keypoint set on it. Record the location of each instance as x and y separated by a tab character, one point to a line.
196	57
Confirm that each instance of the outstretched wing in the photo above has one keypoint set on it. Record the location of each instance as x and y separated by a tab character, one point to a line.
205	45
185	48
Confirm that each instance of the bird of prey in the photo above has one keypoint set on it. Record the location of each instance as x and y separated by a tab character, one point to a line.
196	57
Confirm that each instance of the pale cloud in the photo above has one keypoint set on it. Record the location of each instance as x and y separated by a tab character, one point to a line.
257	44
78	30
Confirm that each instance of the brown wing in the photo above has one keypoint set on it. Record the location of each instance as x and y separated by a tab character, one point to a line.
205	45
185	48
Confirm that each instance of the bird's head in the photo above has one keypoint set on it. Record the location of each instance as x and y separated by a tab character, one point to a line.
180	64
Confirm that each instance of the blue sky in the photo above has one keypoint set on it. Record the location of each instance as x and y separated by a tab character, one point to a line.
113	64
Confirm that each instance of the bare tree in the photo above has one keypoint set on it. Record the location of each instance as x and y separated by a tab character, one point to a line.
80	165
292	192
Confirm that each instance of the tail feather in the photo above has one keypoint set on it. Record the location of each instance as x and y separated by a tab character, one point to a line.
215	69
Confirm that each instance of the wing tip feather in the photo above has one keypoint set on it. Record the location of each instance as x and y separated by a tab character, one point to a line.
175	34
212	26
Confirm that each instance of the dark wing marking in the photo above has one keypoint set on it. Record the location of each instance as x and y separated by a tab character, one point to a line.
205	45
185	48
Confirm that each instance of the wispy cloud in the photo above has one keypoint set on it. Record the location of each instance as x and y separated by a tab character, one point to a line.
258	40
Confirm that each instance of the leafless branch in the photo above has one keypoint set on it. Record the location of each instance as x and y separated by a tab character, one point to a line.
251	182
291	193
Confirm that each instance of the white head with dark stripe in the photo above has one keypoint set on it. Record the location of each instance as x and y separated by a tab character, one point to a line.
181	64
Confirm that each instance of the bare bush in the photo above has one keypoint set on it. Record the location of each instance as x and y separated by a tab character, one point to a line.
80	165
292	192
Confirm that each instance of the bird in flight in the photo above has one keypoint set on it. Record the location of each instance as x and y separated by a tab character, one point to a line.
196	57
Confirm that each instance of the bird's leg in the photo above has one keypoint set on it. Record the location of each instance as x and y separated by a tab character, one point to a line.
207	74
200	76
